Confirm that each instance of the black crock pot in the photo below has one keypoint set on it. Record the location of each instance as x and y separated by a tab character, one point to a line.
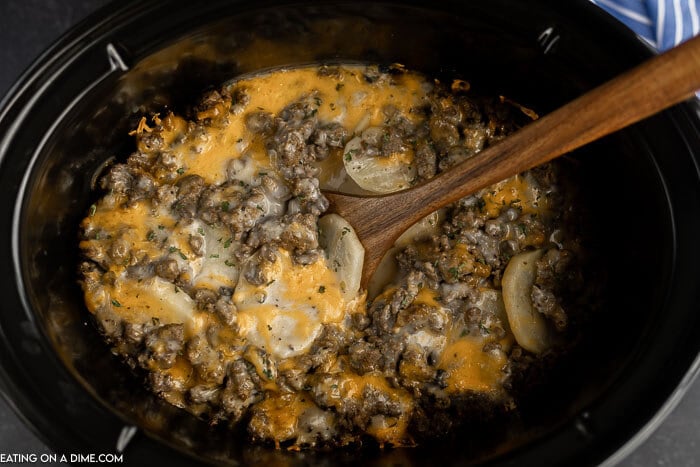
72	110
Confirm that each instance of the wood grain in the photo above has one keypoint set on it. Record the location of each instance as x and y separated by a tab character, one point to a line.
655	85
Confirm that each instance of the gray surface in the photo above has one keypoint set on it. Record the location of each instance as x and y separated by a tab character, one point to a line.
27	27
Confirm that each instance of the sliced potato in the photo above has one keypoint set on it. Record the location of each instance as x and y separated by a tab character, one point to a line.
286	314
421	230
387	271
379	174
345	253
179	303
153	299
218	268
529	327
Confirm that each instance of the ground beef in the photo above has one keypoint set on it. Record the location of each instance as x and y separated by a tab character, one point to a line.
168	269
240	392
426	159
162	346
119	179
189	190
551	269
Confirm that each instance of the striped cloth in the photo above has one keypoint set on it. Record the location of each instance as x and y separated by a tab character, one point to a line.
662	23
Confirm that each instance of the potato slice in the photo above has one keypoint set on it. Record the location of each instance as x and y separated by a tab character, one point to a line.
530	329
217	268
379	174
154	300
286	314
387	270
423	229
345	253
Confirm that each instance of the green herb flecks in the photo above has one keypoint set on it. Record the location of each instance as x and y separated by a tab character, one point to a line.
174	249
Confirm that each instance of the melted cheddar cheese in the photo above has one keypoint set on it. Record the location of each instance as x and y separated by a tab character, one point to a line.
285	315
517	191
469	368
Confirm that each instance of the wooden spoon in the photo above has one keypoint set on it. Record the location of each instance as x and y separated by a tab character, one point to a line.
655	85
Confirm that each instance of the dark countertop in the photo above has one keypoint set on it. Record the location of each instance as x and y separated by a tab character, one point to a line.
27	27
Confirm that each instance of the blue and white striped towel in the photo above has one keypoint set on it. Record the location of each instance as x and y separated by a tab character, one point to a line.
663	23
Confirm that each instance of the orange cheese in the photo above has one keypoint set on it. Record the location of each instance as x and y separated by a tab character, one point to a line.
515	191
282	413
285	315
385	429
469	368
